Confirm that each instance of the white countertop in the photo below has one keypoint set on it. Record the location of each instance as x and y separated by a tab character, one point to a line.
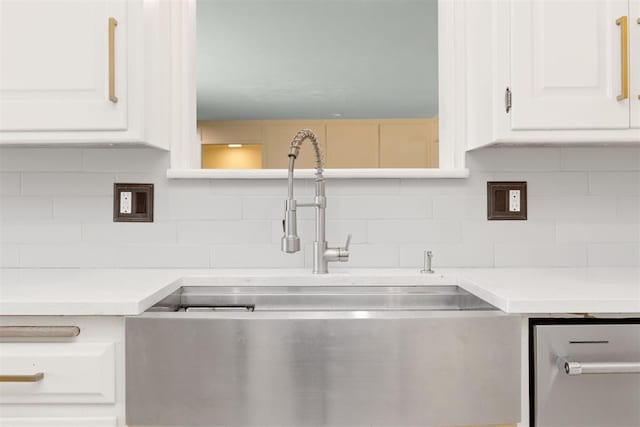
555	290
132	291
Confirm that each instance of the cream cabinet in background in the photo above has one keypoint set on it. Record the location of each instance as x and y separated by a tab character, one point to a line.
554	71
78	71
346	143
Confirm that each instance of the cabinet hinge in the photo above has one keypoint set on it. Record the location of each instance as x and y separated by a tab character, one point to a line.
507	100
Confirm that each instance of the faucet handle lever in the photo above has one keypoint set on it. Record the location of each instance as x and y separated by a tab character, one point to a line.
348	242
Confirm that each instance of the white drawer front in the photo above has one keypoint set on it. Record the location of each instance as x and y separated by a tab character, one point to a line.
73	372
58	422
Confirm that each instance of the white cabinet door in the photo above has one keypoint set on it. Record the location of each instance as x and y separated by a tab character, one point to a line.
634	49
71	372
55	67
566	65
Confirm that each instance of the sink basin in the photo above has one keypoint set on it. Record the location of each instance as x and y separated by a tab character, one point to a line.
331	356
319	298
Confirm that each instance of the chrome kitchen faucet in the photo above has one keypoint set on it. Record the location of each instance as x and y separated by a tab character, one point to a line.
322	253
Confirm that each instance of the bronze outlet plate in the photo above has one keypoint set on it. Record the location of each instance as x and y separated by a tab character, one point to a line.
141	209
498	200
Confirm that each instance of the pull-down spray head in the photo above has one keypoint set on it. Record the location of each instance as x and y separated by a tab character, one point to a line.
290	240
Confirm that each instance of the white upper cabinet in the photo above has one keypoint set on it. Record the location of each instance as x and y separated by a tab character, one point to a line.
55	65
566	65
634	52
553	71
72	71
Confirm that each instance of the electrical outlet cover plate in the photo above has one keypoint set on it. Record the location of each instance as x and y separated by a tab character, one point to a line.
507	200
132	202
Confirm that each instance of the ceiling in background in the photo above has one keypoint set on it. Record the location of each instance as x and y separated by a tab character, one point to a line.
297	59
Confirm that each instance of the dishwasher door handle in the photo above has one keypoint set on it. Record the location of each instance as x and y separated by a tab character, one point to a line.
570	367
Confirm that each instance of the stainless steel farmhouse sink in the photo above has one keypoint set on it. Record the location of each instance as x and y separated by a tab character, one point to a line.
322	356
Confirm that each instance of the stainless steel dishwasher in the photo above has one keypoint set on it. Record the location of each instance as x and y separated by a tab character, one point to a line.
322	356
585	372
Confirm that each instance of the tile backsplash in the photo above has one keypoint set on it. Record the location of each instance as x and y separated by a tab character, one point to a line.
584	210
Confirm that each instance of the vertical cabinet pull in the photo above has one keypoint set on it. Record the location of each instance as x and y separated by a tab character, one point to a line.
624	64
638	21
112	59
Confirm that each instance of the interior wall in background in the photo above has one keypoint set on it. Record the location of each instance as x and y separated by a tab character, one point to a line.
584	210
283	59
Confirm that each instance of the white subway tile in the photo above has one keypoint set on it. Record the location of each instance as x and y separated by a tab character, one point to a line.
39	232
261	187
67	184
517	159
254	256
549	183
68	256
9	256
598	233
336	231
271	208
508	231
575	208
189	187
600	158
525	254
114	256
478	254
130	232
24	159
341	187
454	207
614	183
379	207
162	256
362	256
220	232
205	207
475	185
614	254
84	208
25	208
124	160
628	209
412	231
9	183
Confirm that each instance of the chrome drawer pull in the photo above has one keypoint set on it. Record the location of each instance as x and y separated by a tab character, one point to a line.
22	378
39	331
576	368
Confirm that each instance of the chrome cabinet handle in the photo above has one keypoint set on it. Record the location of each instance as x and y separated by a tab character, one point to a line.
577	368
112	59
624	63
22	378
39	331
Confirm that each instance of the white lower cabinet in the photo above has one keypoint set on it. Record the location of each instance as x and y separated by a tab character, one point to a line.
63	372
51	378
